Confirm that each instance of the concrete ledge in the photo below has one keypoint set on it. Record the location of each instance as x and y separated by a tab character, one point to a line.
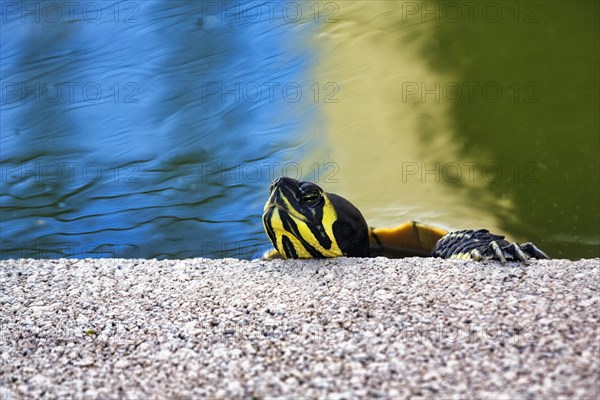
342	328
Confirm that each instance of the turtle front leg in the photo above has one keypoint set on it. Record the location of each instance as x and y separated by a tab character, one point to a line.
481	244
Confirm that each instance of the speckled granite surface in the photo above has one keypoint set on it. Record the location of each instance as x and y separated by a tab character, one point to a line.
342	328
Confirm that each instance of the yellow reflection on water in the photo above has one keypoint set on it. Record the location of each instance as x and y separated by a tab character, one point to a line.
397	154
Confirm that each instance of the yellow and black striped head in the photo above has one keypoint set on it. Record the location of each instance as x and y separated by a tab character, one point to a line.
303	221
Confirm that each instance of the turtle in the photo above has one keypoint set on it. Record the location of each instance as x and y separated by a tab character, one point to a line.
303	221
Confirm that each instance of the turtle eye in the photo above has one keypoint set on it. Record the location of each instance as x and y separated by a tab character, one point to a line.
311	198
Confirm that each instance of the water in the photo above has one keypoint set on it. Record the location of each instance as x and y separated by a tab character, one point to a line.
152	129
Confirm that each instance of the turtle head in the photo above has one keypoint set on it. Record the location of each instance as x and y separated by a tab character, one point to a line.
303	221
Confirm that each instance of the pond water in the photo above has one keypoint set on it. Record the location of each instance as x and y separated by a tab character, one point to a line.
153	128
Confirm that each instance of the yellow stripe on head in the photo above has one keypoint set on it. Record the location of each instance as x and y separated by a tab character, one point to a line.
281	233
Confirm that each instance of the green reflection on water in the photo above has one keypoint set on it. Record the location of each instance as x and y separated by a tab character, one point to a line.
487	119
546	118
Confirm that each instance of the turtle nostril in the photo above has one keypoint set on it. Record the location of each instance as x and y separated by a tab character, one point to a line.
275	183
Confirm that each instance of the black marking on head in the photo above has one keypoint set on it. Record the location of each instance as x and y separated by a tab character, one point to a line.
290	226
319	232
352	242
350	230
288	247
267	217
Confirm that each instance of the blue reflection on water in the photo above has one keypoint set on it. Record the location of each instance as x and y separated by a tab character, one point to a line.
127	136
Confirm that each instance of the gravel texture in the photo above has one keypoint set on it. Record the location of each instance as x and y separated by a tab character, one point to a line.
340	329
